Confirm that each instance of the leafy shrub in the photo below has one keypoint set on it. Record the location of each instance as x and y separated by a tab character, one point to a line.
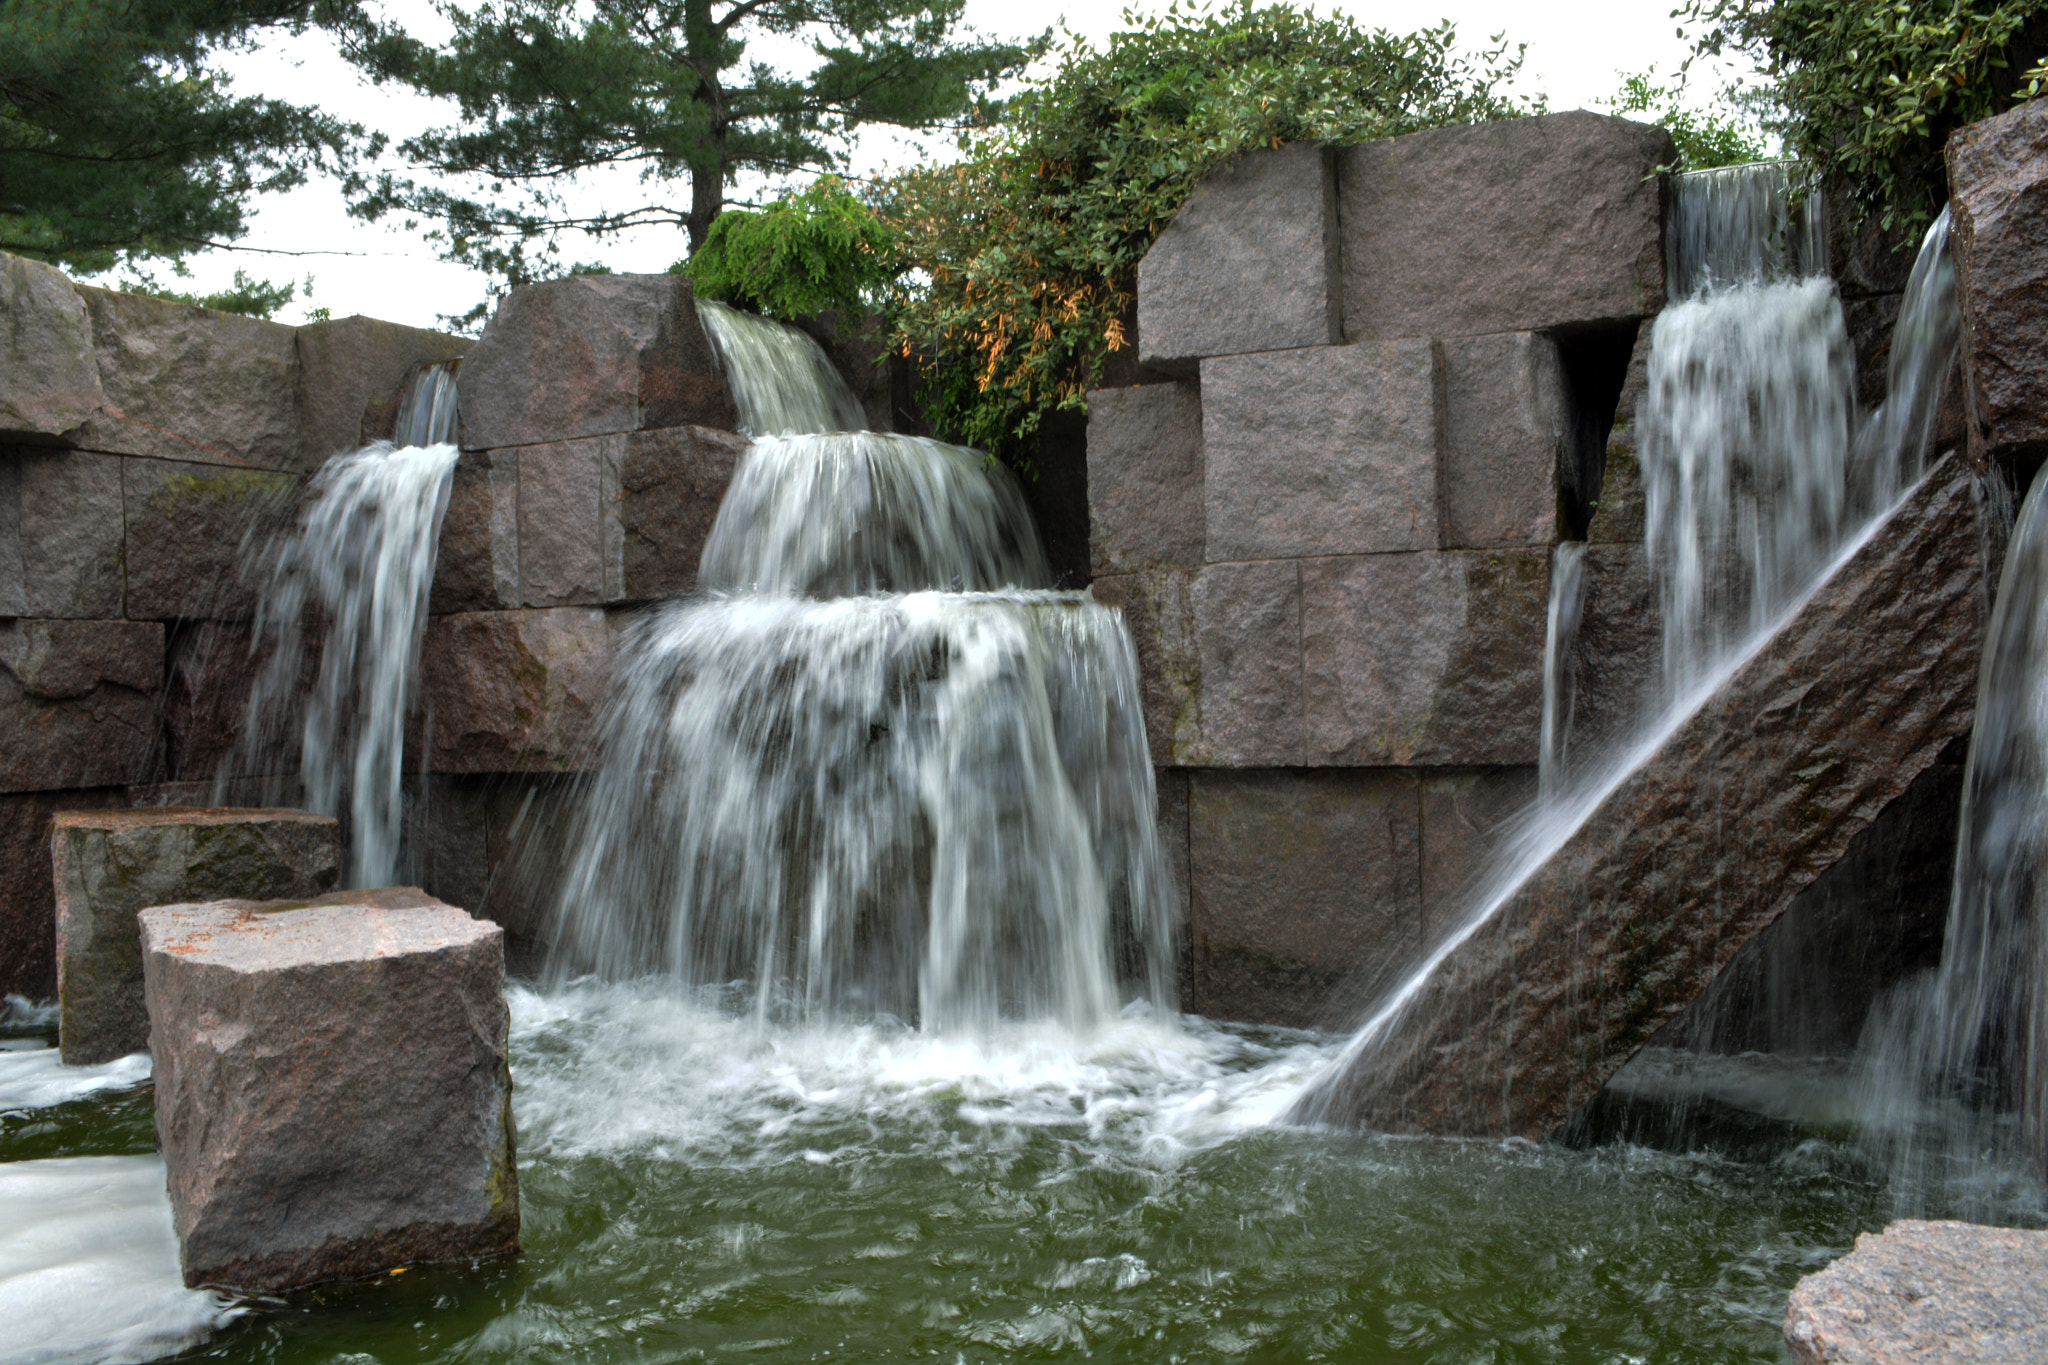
1871	89
1704	139
1024	255
800	255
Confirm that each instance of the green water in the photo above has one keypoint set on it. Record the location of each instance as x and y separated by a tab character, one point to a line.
697	1188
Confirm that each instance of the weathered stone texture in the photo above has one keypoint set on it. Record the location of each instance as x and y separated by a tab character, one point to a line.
1145	478
1998	179
1299	881
1925	1293
477	565
1248	264
1158	610
662	493
1617	659
1248	647
561	524
333	1097
352	376
1467	816
77	702
514	691
108	865
1504	440
1695	851
589	355
1518	226
49	377
479	843
1432	658
188	383
1620	508
28	903
60	534
1327	451
186	524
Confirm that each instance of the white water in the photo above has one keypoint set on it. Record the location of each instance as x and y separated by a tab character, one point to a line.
358	568
1741	225
1560	636
847	782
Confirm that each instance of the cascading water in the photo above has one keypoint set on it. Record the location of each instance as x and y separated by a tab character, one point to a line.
359	565
879	769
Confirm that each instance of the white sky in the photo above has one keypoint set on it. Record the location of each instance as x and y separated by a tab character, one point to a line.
1577	54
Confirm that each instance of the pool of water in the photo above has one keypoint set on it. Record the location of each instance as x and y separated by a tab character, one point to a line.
700	1187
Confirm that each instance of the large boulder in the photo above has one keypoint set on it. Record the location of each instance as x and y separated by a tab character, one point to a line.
514	691
61	527
1926	1294
352	376
108	865
1249	263
1525	225
333	1097
77	702
49	377
1697	849
1998	199
588	355
1145	478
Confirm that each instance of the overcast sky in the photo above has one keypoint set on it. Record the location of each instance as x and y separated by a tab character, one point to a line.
1577	54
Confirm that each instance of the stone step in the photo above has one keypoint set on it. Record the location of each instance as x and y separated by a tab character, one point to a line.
1929	1293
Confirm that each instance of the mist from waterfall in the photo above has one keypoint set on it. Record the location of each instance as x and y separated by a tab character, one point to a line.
877	769
356	569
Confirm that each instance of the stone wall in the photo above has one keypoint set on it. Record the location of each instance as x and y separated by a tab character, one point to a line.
140	439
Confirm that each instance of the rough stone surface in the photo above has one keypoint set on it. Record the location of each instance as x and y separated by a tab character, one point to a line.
561	523
588	355
28	904
1432	658
188	383
1504	440
1327	451
1171	784
662	493
514	691
352	376
1248	264
477	844
211	667
1466	816
77	702
1865	258
49	377
1158	610
1618	658
60	537
108	865
185	526
1698	849
1298	879
1145	478
1518	226
477	565
333	1097
1248	647
1925	1293
1998	182
1620	508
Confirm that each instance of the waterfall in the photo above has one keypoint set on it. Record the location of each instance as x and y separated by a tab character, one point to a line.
877	769
1561	634
358	565
1759	477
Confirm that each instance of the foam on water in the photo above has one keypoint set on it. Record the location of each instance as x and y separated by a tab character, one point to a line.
33	1076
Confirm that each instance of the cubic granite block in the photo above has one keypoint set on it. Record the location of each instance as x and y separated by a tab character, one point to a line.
1248	644
1301	883
28	903
587	355
49	376
514	691
476	567
1326	451
186	524
1521	225
1998	180
1505	434
561	523
1145	478
662	494
189	383
352	377
77	702
1929	1293
61	527
1249	263
1432	658
108	865
1159	611
333	1097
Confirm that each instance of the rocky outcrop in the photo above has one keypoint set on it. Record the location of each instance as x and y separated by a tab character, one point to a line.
109	865
1998	179
1926	1293
1698	849
49	378
333	1097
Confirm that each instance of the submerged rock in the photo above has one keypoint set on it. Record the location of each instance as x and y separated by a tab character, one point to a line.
333	1097
1930	1293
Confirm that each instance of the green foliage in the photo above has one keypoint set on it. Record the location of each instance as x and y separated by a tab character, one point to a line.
1871	89
799	256
549	89
117	139
1707	139
250	297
